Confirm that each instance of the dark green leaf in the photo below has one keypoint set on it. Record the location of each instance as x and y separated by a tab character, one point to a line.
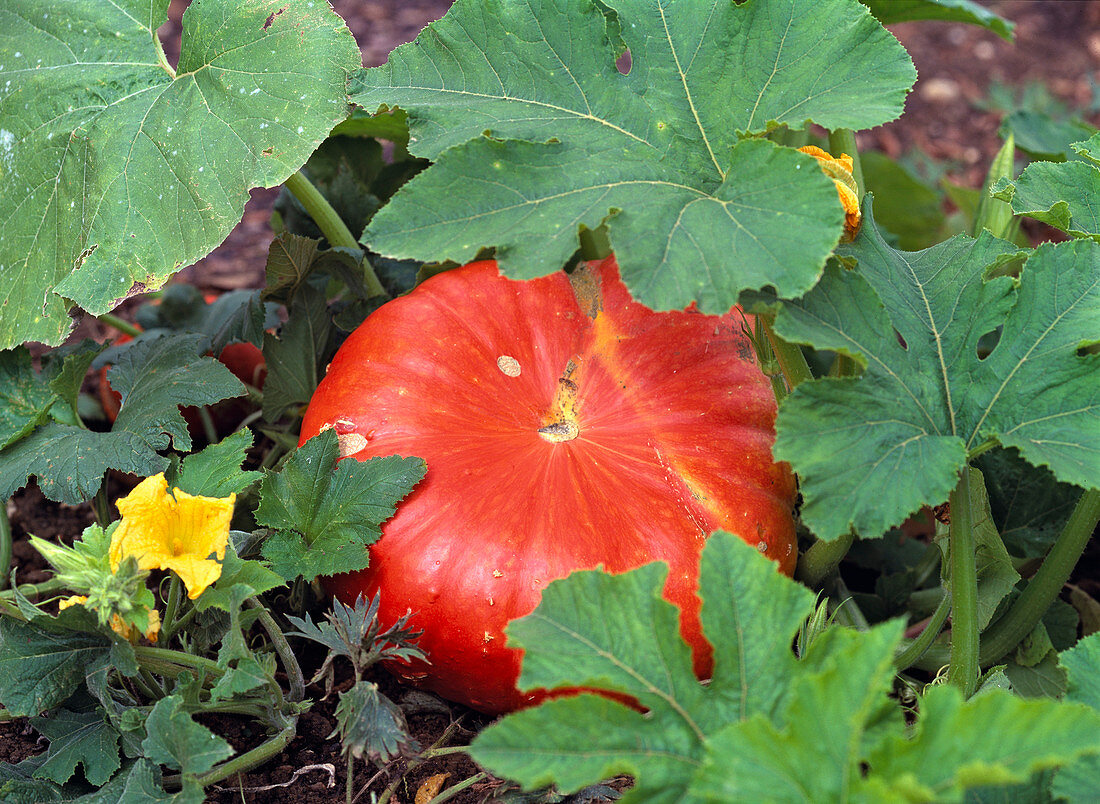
24	398
237	571
40	669
926	398
1043	680
1061	194
694	213
1044	136
904	205
1078	781
118	170
295	357
78	738
216	471
372	725
179	742
324	516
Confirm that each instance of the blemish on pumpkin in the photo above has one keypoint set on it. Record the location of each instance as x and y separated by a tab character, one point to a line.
762	546
348	442
488	637
489	600
498	574
509	365
587	290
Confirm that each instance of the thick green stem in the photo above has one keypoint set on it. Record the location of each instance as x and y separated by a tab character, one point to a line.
331	225
964	669
789	355
843	141
33	591
167	662
1029	608
5	546
819	561
250	759
121	324
282	648
994	214
912	652
170	624
1041	591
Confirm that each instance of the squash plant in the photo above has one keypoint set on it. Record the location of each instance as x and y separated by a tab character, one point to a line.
542	136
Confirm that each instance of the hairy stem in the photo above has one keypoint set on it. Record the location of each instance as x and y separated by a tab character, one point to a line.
843	141
964	669
169	662
282	648
789	355
912	652
819	561
121	324
331	225
5	546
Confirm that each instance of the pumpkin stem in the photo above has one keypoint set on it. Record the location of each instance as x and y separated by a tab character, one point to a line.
562	420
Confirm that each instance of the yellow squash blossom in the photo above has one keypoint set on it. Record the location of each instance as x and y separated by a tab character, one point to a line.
175	531
118	625
839	169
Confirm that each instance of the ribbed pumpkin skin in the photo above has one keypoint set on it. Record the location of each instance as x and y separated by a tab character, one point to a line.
673	420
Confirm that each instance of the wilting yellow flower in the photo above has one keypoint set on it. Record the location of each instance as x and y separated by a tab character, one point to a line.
118	625
175	531
839	169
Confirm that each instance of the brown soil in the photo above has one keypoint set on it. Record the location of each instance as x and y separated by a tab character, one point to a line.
1058	44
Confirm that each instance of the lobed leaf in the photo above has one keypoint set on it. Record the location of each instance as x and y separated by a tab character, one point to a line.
769	727
216	470
324	519
926	399
1062	194
76	738
176	740
694	213
119	170
41	667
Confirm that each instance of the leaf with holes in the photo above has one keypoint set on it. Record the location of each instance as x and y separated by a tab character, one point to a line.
118	169
895	438
695	211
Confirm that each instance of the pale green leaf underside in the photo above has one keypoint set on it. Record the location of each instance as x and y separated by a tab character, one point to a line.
872	449
114	174
695	217
1077	782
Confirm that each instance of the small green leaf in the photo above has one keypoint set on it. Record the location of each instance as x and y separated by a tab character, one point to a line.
175	740
694	212
1045	137
117	170
324	519
237	572
371	725
1061	194
24	398
39	668
904	204
891	11
926	398
78	738
216	471
1043	680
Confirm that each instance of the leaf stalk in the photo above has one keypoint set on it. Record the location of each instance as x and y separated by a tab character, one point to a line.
964	669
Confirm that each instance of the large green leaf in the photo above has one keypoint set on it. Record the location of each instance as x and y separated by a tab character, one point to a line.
118	170
324	518
768	726
872	449
695	213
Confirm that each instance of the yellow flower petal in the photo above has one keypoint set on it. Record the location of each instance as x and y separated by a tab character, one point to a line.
839	169
154	625
75	600
175	531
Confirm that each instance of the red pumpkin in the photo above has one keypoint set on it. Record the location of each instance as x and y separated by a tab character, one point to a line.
564	426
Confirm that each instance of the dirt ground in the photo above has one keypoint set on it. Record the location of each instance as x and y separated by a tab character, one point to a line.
948	119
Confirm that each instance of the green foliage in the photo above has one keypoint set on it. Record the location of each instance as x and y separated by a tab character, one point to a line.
891	11
118	170
78	738
154	377
768	726
177	741
1045	136
371	724
322	520
908	423
41	664
904	205
216	471
1061	194
694	212
1078	781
